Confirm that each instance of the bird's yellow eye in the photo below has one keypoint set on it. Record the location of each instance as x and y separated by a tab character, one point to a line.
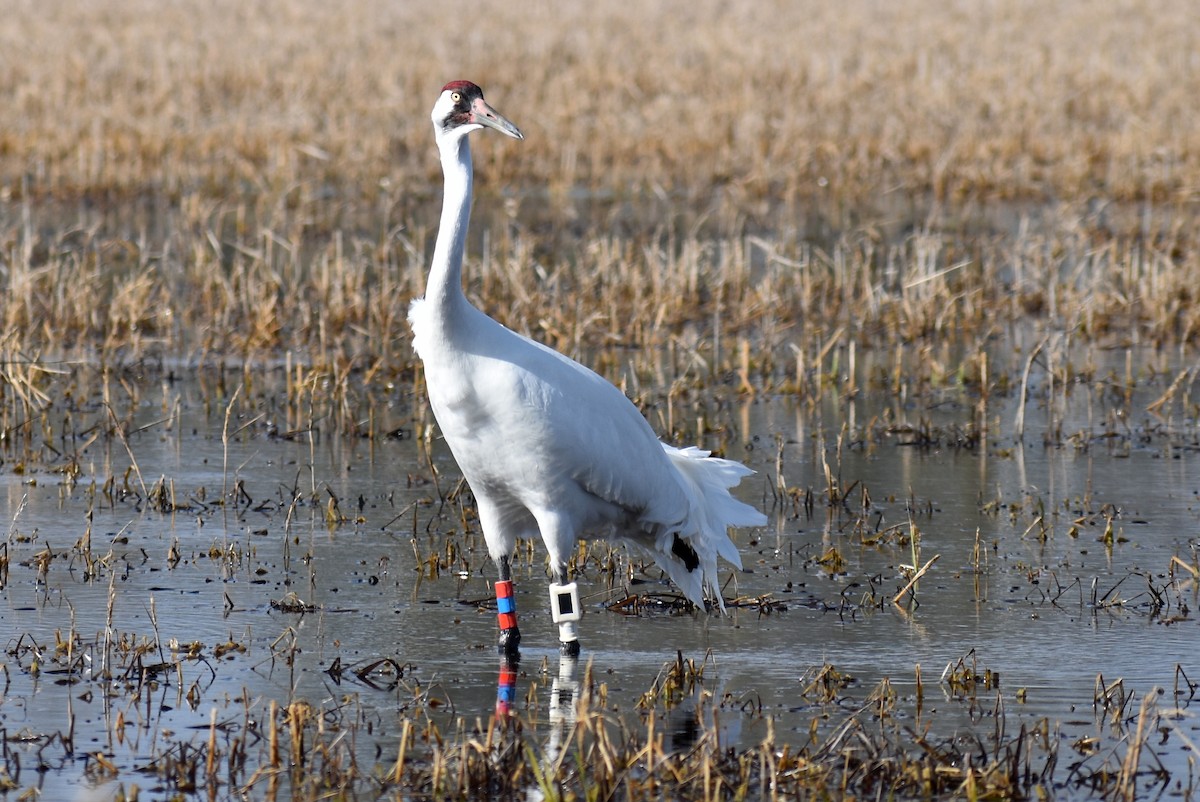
455	96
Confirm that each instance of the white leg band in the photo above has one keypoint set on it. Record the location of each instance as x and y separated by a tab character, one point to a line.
564	604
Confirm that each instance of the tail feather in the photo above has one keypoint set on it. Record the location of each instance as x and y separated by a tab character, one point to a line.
712	510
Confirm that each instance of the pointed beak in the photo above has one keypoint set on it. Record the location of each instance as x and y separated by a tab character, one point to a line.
485	115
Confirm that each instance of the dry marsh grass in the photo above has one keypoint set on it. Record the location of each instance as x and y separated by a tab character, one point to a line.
756	189
763	99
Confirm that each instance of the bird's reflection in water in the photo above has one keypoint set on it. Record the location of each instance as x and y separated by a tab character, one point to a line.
688	721
563	688
564	697
696	718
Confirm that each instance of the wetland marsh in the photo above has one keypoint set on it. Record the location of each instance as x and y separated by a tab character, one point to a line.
198	577
930	273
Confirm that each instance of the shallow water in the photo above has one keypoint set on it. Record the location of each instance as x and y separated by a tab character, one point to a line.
1024	584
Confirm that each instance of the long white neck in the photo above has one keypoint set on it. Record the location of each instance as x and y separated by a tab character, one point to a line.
444	290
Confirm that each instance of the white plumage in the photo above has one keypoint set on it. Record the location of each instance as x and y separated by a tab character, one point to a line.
548	446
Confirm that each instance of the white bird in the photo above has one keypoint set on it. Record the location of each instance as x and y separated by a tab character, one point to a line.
546	445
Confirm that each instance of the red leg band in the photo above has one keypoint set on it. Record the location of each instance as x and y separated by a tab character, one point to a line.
506	605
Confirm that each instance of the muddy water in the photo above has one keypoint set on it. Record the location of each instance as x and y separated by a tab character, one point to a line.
283	604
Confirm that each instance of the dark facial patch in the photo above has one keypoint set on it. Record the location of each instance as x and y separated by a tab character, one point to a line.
461	113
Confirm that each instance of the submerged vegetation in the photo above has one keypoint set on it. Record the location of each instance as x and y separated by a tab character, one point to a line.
213	216
158	706
670	747
162	704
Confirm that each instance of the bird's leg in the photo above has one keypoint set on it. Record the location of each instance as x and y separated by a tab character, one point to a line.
506	610
564	609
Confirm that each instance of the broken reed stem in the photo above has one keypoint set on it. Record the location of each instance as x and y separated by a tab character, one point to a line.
132	460
297	717
1191	569
210	764
920	693
225	449
1019	425
1127	779
273	735
397	773
916	578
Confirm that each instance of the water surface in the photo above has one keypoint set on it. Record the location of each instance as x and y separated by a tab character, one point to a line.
333	553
